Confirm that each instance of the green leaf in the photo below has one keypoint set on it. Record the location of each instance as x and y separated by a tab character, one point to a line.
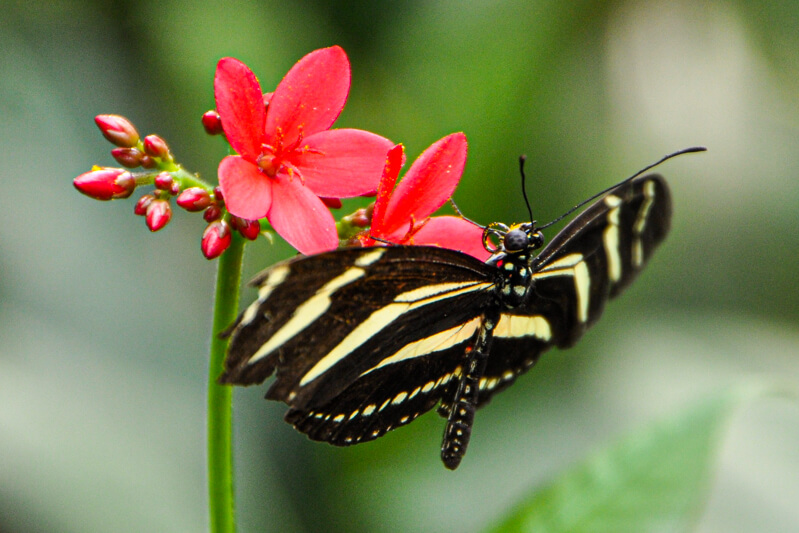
654	480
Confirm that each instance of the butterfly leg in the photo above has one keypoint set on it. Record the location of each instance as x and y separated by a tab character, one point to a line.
464	404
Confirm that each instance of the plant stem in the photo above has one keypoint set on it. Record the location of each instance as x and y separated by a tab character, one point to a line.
187	179
220	411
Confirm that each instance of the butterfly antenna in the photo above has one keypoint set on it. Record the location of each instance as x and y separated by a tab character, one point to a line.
522	159
384	241
460	214
597	195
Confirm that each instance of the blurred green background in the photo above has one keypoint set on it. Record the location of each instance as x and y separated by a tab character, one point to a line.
104	327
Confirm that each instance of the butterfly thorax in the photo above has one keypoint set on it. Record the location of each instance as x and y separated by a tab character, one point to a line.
513	249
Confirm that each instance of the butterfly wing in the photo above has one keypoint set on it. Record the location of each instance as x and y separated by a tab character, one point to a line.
365	340
388	397
335	327
592	259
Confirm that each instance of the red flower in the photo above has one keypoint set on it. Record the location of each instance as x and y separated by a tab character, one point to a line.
288	157
403	216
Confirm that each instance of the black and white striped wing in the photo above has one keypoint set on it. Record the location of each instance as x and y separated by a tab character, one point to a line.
391	395
362	339
592	259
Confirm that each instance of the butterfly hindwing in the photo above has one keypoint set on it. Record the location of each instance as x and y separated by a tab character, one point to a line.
383	399
518	342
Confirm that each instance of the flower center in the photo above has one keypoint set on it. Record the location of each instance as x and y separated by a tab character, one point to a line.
276	158
269	163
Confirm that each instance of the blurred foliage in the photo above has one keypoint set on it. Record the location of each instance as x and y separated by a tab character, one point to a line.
104	326
653	480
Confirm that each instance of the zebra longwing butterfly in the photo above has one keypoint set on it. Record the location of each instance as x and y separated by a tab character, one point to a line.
364	340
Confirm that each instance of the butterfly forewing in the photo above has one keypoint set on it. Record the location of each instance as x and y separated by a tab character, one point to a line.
335	316
624	226
592	259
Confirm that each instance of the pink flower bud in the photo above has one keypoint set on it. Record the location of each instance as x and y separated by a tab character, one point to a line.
216	239
128	157
360	218
158	214
212	213
155	146
332	203
106	183
118	130
164	181
143	204
212	123
218	196
194	199
249	229
175	188
147	161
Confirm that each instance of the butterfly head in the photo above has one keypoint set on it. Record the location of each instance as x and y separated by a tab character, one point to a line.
518	238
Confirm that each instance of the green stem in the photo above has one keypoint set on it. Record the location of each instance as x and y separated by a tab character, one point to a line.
187	179
220	411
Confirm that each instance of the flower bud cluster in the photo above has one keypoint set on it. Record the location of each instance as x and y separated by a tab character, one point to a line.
131	151
152	154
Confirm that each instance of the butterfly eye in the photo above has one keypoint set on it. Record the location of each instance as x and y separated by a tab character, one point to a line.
536	240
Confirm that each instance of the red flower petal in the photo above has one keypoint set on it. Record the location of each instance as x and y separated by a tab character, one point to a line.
300	217
240	104
429	183
454	233
391	171
342	163
248	192
310	97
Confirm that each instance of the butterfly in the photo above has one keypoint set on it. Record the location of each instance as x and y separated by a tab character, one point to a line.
364	340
